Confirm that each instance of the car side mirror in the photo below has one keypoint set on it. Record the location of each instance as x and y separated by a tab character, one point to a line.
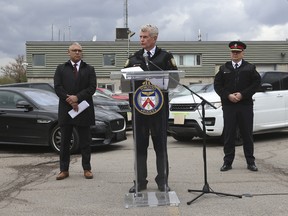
21	104
266	87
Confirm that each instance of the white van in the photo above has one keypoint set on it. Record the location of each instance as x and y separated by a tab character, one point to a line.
270	110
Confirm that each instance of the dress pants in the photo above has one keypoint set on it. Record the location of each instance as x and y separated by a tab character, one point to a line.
84	144
238	115
156	126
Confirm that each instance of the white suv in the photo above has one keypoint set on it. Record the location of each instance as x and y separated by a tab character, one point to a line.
270	110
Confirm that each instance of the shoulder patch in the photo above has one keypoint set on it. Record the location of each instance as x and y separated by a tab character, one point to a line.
173	62
126	63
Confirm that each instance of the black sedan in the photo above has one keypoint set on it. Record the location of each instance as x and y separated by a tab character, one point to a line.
100	100
29	117
106	102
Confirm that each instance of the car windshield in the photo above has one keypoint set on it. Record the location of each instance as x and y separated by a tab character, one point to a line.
106	91
101	94
43	98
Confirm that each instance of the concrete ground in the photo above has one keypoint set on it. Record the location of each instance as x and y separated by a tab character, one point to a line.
28	186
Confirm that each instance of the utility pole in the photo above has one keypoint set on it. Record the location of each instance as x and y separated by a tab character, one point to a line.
126	13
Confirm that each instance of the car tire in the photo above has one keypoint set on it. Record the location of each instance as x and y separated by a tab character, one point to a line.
182	138
55	140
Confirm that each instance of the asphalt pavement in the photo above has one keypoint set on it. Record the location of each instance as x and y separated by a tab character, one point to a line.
28	186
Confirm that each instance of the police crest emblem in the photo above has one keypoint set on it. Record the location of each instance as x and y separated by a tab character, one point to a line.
148	99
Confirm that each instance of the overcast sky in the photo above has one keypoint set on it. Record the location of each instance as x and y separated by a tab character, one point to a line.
177	20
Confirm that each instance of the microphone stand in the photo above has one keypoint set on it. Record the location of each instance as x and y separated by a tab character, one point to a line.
206	188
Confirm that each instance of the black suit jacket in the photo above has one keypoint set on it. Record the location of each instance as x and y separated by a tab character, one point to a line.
83	87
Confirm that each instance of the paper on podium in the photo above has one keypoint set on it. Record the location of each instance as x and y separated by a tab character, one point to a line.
160	82
130	69
81	107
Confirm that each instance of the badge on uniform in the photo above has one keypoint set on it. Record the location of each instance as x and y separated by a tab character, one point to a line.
148	99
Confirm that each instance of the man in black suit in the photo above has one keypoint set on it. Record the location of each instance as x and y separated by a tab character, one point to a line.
74	82
156	124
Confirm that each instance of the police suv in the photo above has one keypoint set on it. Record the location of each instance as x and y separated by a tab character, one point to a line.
270	110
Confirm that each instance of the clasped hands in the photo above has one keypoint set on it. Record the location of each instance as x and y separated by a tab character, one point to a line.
73	101
235	97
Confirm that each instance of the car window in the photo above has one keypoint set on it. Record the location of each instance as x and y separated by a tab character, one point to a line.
9	99
272	78
44	98
285	81
44	86
278	80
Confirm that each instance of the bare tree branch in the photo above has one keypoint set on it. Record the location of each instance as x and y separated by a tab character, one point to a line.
15	70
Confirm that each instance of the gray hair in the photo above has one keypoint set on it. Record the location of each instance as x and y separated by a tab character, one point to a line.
75	43
153	30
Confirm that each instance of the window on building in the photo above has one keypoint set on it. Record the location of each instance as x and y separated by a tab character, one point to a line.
38	60
187	60
109	59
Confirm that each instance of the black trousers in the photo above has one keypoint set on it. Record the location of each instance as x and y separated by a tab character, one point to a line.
156	126
84	144
241	116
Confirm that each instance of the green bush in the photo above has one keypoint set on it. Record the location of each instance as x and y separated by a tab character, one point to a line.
6	80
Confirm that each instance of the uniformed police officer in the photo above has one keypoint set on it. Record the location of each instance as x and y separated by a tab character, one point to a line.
154	59
236	83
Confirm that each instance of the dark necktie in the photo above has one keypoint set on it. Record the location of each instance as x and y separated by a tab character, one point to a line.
236	66
75	71
149	54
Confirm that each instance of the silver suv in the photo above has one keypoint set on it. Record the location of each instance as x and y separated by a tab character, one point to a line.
270	110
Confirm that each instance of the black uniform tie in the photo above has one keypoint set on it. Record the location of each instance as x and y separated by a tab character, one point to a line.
149	54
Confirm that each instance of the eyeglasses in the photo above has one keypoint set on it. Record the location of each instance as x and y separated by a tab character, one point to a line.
76	50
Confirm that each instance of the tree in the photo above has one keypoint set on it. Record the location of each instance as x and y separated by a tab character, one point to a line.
15	71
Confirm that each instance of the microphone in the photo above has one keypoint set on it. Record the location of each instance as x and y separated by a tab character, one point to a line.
145	55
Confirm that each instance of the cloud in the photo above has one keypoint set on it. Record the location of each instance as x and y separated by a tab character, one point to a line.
222	20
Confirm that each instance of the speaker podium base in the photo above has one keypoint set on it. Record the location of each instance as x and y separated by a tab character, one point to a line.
151	199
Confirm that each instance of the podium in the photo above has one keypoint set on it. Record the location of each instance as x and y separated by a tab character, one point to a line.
149	96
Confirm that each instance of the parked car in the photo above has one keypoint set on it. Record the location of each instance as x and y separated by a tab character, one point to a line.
101	100
270	110
196	87
122	96
30	117
122	107
36	85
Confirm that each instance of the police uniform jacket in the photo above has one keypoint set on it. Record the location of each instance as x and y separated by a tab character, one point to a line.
84	86
163	59
245	80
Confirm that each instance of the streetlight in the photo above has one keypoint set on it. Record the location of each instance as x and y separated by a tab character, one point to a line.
130	34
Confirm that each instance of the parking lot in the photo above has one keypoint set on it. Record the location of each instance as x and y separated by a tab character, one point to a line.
28	186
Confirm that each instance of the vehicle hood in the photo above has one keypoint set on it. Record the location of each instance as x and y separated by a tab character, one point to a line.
98	100
209	96
104	115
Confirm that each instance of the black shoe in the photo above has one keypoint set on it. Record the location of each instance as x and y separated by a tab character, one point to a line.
225	167
252	167
164	188
140	188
